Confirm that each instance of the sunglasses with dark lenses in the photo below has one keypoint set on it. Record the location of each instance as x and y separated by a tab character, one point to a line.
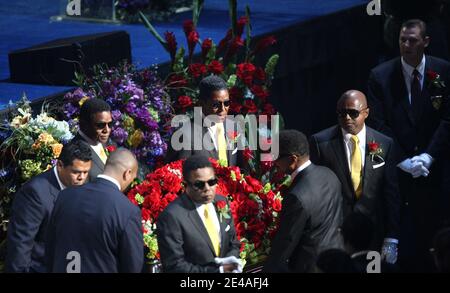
101	125
217	104
350	112
200	185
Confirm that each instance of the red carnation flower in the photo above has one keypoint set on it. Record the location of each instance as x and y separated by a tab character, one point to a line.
373	146
260	92
197	69
432	75
250	106
111	148
277	205
221	204
184	102
260	74
215	67
235	93
247	154
245	72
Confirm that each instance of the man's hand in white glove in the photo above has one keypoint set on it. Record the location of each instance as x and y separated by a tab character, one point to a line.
416	168
229	264
389	251
425	158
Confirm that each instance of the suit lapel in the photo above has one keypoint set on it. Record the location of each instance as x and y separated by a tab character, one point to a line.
54	187
401	92
213	152
368	164
223	224
197	221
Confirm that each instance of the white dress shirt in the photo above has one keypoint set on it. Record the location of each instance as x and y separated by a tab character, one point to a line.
408	74
299	169
110	179
348	146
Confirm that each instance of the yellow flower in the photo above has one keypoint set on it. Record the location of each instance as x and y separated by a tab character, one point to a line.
135	139
56	149
81	102
45	138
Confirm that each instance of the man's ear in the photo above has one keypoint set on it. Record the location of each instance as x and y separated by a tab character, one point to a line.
427	41
367	112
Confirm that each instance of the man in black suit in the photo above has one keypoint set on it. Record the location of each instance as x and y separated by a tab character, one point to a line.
311	212
210	133
194	236
405	106
33	205
364	161
95	129
95	228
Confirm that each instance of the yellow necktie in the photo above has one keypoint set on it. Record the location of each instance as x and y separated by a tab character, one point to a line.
103	155
212	231
356	166
222	144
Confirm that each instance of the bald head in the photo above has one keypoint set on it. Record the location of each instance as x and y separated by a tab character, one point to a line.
352	111
358	97
122	166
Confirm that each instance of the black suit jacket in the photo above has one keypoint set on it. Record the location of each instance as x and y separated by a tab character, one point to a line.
207	148
391	113
97	165
101	224
380	200
30	215
309	221
184	243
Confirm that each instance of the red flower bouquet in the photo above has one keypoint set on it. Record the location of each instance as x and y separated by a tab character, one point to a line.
254	207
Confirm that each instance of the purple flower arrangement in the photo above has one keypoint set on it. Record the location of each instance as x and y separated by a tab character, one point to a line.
140	107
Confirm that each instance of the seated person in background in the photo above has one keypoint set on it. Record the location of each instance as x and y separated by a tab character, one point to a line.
33	205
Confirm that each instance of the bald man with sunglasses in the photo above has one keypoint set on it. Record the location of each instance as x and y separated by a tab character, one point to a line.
363	160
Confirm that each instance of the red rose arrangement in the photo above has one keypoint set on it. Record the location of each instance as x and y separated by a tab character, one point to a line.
253	206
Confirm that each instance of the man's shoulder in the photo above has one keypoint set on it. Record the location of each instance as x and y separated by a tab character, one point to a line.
386	66
41	181
326	134
379	137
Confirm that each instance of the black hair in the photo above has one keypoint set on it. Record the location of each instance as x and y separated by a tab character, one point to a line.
210	84
357	230
293	142
92	106
193	163
75	150
416	23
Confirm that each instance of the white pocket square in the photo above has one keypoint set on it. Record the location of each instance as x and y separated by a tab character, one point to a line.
227	228
379	165
234	151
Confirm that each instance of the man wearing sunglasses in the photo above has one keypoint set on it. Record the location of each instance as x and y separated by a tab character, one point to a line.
95	129
193	237
214	133
403	95
363	159
311	212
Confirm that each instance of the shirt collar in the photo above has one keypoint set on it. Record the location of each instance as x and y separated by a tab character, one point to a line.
408	69
61	185
361	135
299	169
87	139
110	179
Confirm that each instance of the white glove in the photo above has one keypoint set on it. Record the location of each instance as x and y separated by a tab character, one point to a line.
416	168
425	158
389	251
230	260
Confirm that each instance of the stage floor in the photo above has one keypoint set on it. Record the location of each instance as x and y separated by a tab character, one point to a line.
25	23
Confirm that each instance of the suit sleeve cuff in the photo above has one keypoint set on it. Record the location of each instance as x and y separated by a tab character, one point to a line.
391	240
